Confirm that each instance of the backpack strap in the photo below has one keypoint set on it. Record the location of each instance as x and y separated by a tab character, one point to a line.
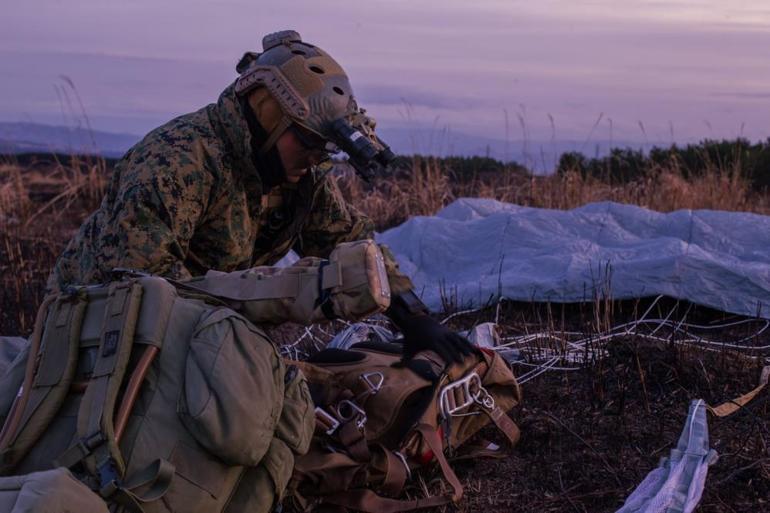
50	370
97	446
432	439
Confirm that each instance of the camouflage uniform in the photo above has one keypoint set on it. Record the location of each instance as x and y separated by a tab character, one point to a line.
189	198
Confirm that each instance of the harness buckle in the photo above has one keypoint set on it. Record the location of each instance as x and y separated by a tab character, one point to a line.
348	410
328	423
462	393
374	384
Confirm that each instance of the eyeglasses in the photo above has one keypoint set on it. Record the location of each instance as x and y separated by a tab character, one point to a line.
312	141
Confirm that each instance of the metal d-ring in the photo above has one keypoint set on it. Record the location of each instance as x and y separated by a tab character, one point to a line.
376	384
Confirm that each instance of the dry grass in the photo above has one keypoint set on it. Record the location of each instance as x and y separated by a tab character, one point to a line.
42	204
426	188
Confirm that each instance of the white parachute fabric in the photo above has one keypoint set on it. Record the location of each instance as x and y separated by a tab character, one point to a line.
676	486
477	250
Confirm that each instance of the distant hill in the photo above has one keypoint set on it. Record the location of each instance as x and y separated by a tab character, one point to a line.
538	156
38	138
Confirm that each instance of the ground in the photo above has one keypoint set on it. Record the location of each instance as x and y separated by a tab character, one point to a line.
590	436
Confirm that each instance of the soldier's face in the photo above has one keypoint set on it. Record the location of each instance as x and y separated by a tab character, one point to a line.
296	157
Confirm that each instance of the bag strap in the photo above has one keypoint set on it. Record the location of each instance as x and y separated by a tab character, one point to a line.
432	439
496	414
253	287
505	424
97	446
51	367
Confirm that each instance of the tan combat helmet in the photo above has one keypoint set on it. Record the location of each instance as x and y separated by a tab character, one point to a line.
313	92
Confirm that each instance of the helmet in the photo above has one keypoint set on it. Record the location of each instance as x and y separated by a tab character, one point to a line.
312	91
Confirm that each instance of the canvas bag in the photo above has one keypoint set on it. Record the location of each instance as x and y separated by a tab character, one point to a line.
173	445
377	420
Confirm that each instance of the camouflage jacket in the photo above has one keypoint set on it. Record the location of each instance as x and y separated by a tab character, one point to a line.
188	198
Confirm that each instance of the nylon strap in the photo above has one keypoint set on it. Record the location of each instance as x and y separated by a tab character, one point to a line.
51	378
395	472
157	476
97	408
354	441
433	440
730	407
247	287
505	424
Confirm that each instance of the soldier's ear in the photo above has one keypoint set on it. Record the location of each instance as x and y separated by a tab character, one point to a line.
246	60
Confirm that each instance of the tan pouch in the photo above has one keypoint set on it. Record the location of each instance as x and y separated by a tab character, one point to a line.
351	284
51	491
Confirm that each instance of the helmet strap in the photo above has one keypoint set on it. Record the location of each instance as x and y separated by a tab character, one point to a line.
277	132
268	163
270	116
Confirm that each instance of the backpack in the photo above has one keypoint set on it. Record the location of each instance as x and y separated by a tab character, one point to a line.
378	420
155	400
162	395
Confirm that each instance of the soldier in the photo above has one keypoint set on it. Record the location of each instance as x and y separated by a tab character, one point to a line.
234	185
238	184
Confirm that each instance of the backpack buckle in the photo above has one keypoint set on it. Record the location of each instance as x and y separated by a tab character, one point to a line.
459	395
327	422
348	410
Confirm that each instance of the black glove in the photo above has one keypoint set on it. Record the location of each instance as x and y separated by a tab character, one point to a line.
422	332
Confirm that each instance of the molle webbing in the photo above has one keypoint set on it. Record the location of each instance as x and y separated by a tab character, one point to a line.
50	371
95	417
136	312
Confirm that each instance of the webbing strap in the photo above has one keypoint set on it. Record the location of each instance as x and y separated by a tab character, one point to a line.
395	472
433	440
353	440
247	287
56	360
19	403
730	407
505	424
157	476
97	407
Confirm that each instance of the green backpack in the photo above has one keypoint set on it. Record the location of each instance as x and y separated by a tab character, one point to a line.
156	399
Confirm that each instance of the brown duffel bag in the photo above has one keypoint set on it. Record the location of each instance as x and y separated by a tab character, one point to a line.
378	419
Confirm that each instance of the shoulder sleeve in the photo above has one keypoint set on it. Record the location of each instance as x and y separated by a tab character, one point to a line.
332	221
157	208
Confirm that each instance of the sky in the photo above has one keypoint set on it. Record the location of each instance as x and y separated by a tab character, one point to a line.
638	70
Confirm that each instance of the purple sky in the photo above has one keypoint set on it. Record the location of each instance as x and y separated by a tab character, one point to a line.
695	68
